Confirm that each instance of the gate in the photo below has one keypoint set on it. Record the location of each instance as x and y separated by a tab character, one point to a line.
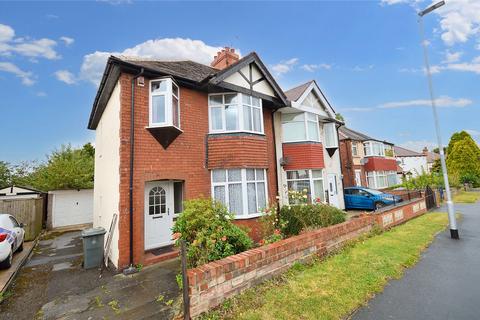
430	198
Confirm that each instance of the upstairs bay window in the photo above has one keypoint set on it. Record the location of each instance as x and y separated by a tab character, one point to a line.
235	112
331	138
300	127
242	191
164	103
374	148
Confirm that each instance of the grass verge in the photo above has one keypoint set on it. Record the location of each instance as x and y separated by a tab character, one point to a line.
333	288
466	197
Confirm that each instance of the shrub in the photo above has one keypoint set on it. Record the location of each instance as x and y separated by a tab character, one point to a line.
207	228
295	219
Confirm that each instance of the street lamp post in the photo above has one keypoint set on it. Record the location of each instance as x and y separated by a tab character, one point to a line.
451	211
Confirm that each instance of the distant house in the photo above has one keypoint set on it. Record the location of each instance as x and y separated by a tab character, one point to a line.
18	192
412	163
431	158
366	161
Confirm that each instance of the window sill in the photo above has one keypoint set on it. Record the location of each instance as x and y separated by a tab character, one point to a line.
237	132
247	217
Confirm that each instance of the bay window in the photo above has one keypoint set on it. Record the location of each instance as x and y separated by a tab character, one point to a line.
374	148
164	103
381	179
234	112
242	191
331	138
354	149
305	182
301	126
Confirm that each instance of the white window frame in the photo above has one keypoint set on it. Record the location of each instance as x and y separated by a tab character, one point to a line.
243	182
335	136
240	119
354	148
305	127
168	94
370	146
377	175
311	180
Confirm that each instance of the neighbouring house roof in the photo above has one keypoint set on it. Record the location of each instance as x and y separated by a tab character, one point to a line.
187	73
431	156
19	190
295	93
402	152
349	134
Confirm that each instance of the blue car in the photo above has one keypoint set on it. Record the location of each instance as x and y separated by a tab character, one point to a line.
366	198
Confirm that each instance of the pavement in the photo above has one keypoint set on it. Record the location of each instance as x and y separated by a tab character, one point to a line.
53	285
7	275
445	284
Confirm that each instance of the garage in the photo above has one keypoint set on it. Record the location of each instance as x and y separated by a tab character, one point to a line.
70	208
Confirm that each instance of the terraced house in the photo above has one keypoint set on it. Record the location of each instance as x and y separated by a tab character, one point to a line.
168	131
367	161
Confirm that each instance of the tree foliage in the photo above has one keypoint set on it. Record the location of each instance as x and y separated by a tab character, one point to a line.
463	158
339	117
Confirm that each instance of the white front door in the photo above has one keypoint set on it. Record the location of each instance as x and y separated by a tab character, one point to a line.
358	179
332	190
158	214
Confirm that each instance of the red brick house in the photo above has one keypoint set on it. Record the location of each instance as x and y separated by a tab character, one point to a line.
366	161
167	131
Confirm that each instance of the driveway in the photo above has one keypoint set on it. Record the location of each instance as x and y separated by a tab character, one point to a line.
445	284
54	285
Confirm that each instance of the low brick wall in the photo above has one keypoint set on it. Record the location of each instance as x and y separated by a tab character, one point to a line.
212	283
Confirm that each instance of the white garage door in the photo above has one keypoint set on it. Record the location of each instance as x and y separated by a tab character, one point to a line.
72	207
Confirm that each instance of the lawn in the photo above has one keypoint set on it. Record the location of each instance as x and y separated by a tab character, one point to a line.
333	288
466	197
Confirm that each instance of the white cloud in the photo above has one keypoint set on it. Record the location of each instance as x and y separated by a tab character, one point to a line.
473	66
314	67
26	77
443	101
284	66
65	76
451	57
6	33
361	69
473	132
162	49
459	21
41	94
357	109
116	2
67	40
418	145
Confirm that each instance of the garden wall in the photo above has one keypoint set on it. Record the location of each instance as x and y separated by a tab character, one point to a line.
212	283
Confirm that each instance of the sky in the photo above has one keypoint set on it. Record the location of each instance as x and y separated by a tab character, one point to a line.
365	55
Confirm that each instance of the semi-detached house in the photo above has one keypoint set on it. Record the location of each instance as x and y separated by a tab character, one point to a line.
169	131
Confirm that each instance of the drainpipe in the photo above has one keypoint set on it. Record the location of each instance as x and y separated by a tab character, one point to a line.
131	269
276	159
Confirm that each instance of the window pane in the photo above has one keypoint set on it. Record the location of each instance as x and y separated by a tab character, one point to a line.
330	135
216	114
260	174
250	174
216	99
257	120
175	112
231	117
318	190
301	187
159	86
230	98
298	174
246	99
261	198
234	175
247	118
294	131
235	198
158	109
317	174
286	117
255	102
312	131
252	198
175	89
219	194
219	175
311	117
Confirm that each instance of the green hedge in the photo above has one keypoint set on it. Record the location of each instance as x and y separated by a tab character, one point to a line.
295	219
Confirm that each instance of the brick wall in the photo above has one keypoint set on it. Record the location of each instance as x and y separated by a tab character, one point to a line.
303	156
184	159
214	282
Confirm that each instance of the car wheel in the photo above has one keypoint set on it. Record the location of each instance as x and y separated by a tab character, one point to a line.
7	263
379	205
20	248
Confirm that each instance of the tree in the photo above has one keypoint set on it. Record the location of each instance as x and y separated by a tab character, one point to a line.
463	159
5	174
339	117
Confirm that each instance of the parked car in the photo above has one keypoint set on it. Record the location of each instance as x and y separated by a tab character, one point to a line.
366	198
11	239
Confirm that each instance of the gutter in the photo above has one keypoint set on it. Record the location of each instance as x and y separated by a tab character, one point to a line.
131	269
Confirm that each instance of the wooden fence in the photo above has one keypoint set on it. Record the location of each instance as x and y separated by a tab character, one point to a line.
26	211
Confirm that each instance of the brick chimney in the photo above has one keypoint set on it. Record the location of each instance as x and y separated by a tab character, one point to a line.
224	58
425	151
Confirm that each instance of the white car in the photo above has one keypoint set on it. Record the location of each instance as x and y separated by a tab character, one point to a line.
11	239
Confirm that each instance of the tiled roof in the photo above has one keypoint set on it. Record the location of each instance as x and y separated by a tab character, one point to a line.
402	152
295	93
432	156
346	133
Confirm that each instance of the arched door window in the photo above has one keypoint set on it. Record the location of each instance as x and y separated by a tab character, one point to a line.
157	201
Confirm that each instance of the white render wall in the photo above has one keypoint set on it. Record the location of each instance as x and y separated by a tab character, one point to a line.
107	170
71	207
333	165
415	165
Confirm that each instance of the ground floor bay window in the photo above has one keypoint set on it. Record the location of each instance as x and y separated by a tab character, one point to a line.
243	191
307	183
381	179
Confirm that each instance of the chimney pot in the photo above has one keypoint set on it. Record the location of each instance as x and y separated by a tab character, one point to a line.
224	58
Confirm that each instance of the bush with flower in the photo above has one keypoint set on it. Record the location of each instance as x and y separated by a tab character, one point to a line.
208	230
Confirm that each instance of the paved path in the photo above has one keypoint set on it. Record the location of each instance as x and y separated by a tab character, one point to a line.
445	284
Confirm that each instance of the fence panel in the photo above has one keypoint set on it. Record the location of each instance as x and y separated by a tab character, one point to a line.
26	211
